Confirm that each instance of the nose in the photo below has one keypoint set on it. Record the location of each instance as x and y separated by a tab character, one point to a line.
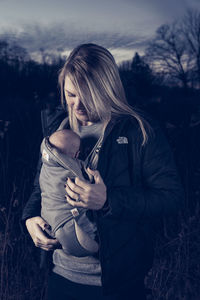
78	104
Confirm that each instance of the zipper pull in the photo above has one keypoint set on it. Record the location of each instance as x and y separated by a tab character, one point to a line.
98	148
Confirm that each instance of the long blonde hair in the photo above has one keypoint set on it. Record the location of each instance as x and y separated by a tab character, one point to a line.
94	73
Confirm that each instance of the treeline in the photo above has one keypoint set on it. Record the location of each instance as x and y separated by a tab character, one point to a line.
24	79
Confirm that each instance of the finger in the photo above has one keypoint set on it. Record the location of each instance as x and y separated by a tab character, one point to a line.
43	224
41	237
46	245
51	243
73	186
47	248
97	177
50	248
71	194
75	203
81	184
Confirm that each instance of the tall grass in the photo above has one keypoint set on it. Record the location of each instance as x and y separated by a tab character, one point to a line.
176	270
20	277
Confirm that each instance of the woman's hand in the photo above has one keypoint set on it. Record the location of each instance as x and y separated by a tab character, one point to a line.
36	227
87	195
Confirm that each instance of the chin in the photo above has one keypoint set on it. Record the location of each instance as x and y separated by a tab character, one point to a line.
82	118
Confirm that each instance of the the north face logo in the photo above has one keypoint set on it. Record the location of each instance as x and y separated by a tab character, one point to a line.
122	140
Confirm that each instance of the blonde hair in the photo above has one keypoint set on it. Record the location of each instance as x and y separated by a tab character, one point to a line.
94	73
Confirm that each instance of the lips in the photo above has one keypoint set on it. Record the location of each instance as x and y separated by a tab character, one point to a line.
80	112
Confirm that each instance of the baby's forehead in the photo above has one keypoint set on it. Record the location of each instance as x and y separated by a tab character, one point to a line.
65	138
65	134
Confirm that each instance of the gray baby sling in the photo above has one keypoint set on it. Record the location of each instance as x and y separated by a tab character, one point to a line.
64	219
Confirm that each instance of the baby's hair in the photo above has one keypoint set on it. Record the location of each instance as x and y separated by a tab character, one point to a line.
66	141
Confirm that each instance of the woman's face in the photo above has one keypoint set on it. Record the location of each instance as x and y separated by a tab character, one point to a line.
74	102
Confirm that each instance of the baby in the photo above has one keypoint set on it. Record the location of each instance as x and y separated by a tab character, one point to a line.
69	225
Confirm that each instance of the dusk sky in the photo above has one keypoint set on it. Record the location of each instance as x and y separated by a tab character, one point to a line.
123	26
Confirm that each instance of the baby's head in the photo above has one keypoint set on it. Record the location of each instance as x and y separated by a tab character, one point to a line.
66	141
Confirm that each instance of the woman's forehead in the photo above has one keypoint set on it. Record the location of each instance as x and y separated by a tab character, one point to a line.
68	85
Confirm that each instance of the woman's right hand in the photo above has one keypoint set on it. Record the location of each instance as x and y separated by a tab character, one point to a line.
36	228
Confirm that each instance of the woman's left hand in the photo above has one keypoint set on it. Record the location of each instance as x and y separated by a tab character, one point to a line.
87	195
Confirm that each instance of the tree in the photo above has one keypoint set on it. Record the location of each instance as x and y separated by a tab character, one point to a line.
141	72
13	54
167	53
125	65
175	50
190	27
138	80
3	49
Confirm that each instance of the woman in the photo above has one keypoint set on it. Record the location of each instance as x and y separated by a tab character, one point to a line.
135	184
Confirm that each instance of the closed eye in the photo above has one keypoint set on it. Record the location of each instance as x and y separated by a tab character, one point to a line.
71	95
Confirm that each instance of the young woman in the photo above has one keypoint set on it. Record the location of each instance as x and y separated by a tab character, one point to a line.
135	184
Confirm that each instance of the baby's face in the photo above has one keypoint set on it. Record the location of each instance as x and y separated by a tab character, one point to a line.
72	150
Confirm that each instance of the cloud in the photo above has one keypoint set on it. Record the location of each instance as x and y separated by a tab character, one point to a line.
168	9
60	39
124	25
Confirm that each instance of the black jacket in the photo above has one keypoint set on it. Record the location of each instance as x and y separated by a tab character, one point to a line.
142	187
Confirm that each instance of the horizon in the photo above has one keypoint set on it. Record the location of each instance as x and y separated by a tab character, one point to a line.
124	27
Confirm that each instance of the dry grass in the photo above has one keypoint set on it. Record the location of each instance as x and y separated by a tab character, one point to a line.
176	270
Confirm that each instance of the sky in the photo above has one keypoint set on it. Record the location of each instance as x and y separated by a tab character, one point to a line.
57	26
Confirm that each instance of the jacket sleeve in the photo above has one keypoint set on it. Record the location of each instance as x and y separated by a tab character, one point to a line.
160	192
33	205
